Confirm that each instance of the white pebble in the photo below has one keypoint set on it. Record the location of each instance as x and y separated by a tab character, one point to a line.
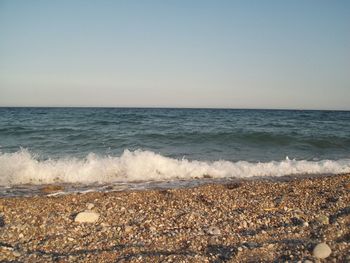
87	217
322	250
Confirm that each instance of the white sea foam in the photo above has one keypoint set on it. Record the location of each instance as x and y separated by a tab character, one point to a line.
23	168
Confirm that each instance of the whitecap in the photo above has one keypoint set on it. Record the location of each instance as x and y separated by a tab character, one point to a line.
23	167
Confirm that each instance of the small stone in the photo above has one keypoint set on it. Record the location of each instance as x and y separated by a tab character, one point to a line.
240	249
16	253
233	185
305	224
87	217
90	206
128	229
251	245
339	233
347	186
201	233
297	221
245	224
72	258
308	261
323	219
214	231
322	250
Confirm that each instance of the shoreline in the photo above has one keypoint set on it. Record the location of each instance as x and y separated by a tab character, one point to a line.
55	189
241	220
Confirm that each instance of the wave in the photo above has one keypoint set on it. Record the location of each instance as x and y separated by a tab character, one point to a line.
23	167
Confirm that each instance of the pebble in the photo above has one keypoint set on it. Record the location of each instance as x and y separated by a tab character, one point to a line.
270	246
87	217
323	219
347	186
308	261
128	229
297	221
322	250
251	245
214	231
16	253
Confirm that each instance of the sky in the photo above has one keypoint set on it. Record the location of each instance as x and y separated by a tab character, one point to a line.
193	53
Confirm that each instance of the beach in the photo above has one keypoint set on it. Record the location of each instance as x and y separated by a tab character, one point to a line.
240	221
174	131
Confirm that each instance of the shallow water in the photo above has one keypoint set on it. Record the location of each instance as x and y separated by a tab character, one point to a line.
27	190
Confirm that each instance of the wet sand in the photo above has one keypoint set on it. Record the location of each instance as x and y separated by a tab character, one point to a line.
243	221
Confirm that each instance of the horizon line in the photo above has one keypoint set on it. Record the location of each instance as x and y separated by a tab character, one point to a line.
174	107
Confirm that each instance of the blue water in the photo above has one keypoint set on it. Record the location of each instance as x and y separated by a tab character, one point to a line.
196	134
71	144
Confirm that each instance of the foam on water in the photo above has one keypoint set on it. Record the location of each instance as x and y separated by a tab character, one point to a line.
22	167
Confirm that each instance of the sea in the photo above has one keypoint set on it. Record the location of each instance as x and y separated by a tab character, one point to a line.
100	149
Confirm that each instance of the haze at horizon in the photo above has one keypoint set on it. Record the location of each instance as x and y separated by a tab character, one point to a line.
224	54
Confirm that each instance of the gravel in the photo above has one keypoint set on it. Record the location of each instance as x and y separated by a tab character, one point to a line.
249	221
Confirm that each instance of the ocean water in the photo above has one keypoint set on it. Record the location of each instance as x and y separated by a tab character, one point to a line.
127	145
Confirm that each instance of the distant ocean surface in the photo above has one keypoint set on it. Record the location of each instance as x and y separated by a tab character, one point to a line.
106	145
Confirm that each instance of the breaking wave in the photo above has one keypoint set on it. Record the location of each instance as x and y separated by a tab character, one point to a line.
23	167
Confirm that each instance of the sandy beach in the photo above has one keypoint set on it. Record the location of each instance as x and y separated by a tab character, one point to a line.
245	221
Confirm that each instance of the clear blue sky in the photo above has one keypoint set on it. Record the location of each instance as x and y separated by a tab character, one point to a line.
236	54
